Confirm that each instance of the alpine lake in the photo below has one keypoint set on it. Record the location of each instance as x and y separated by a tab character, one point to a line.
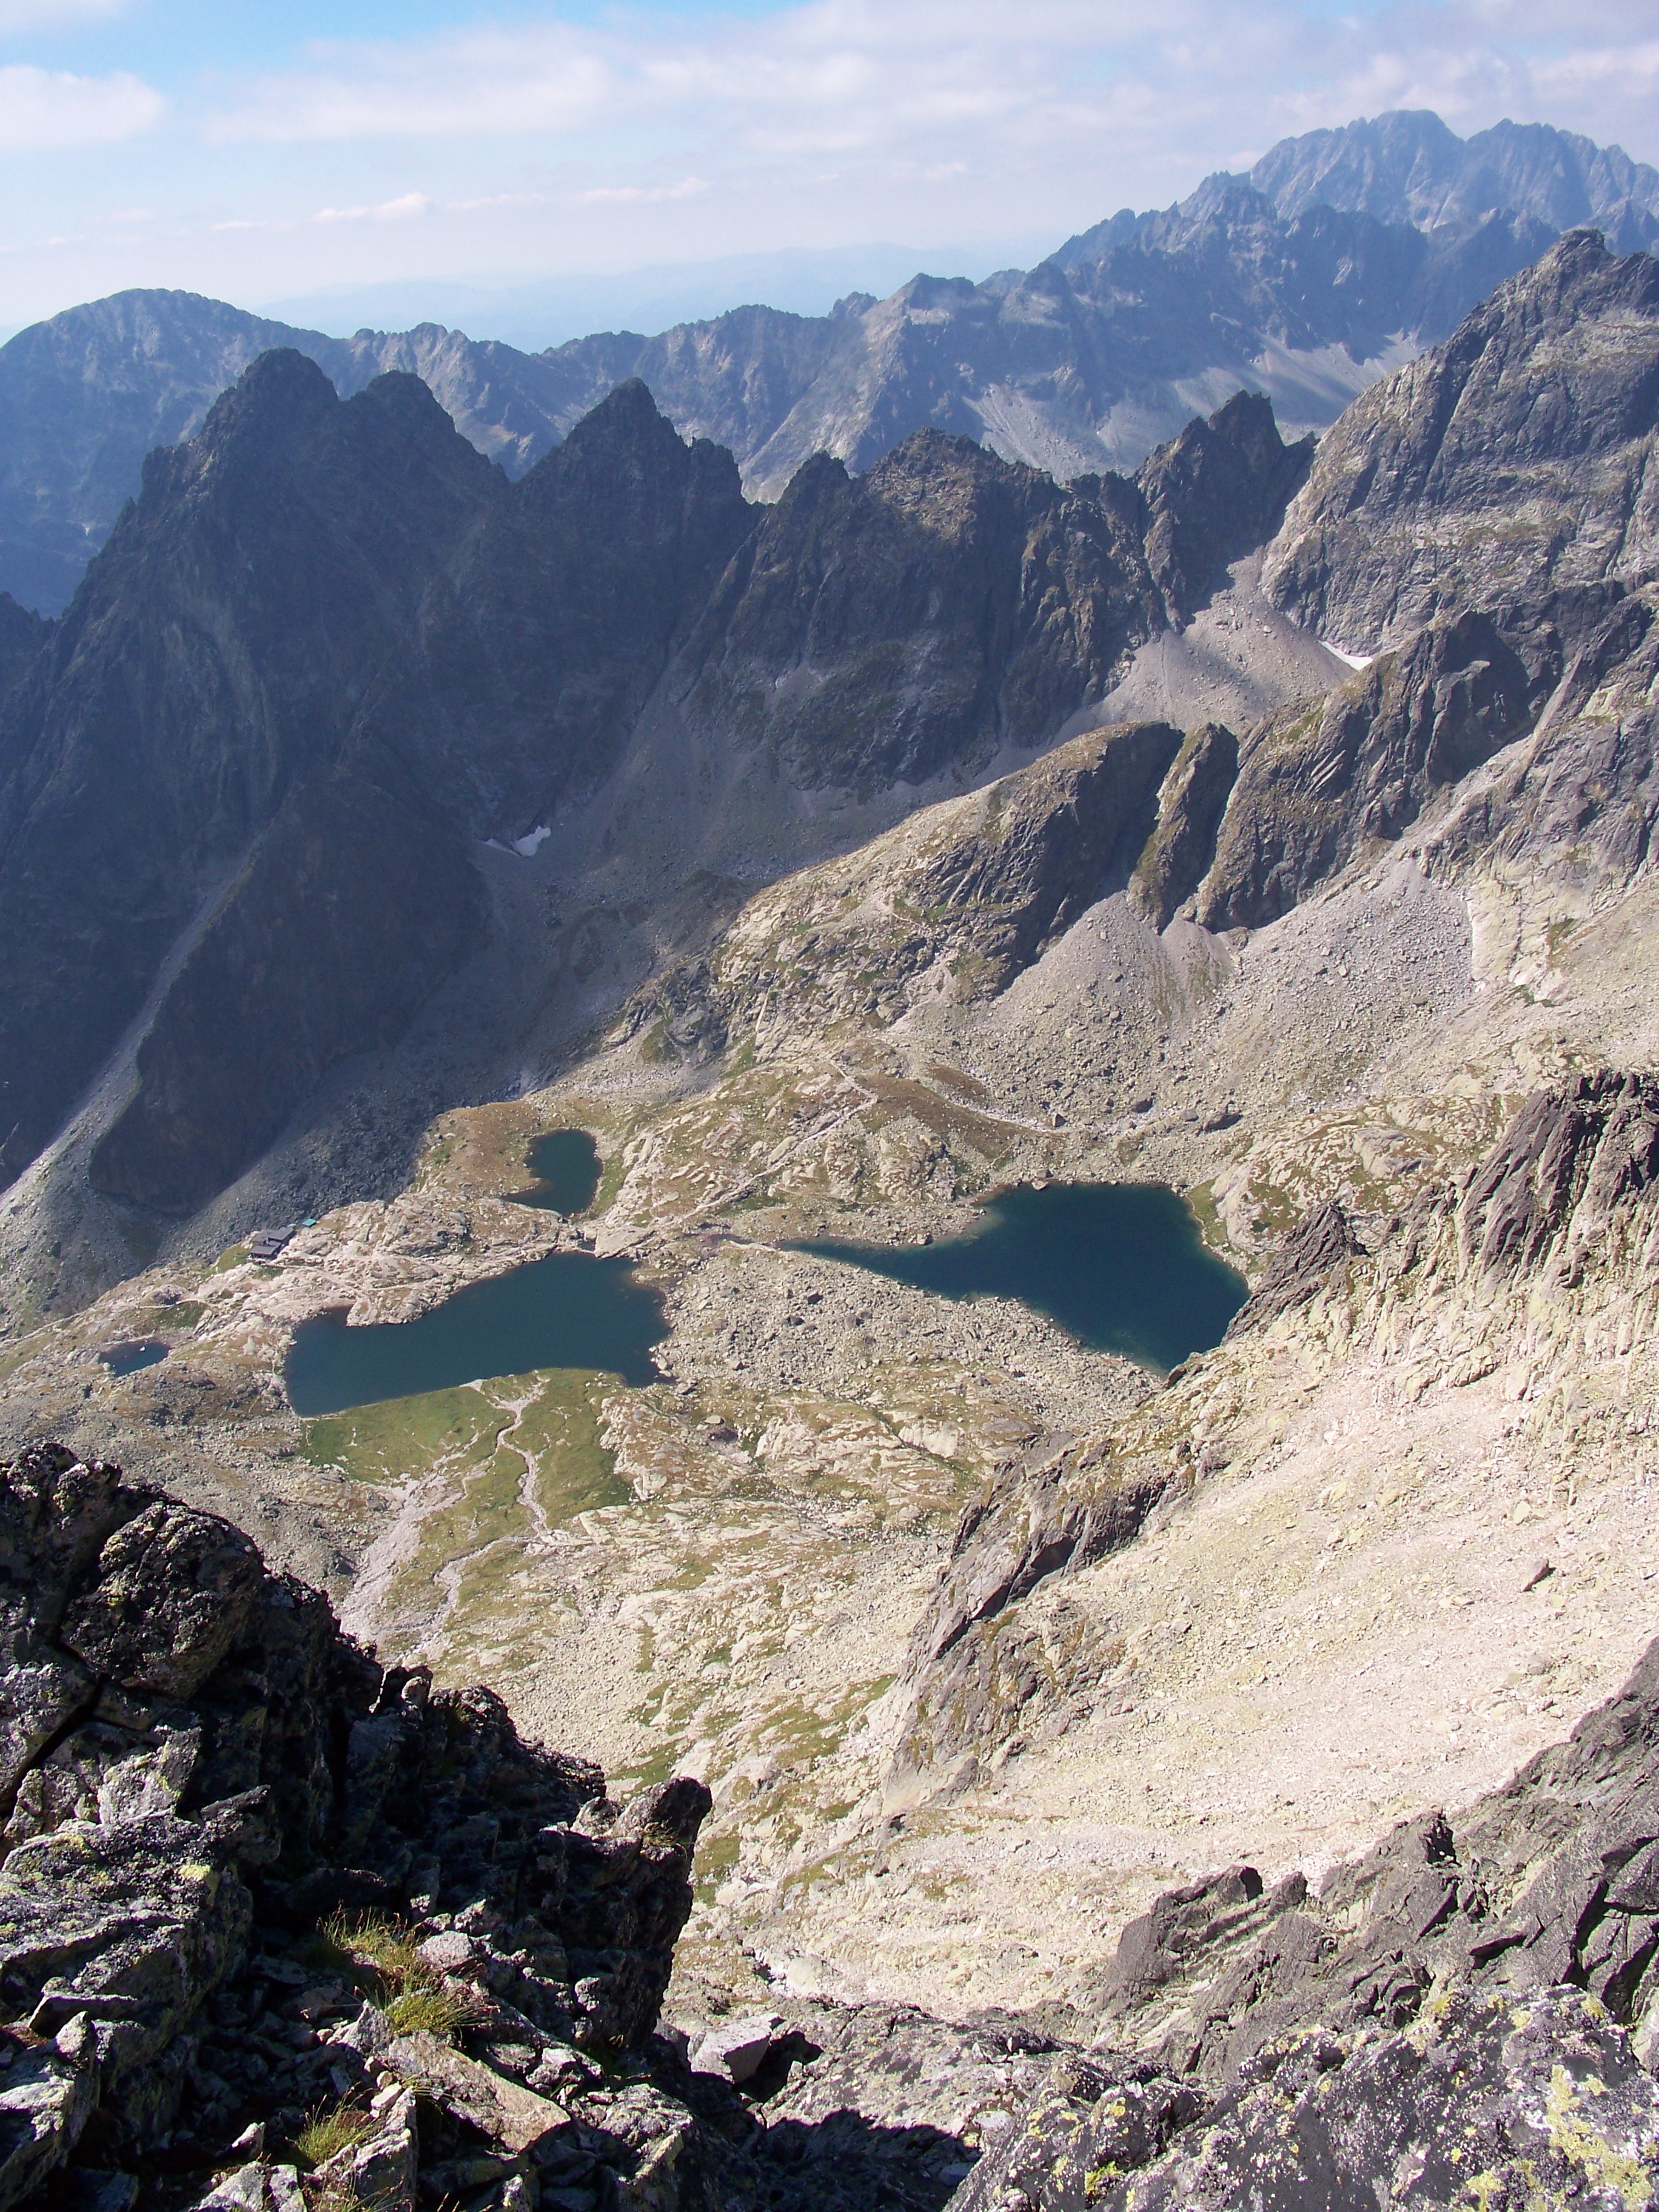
1123	1267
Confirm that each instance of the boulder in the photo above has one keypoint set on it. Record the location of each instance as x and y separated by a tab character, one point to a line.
174	1591
736	2049
514	2117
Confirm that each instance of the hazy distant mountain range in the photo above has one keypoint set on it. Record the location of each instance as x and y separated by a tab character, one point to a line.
1341	254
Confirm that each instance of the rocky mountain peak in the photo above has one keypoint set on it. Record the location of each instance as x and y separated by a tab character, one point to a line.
626	462
1213	494
1408	166
1408	507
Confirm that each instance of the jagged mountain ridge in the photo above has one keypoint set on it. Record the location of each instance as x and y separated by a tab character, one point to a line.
1407	166
1511	468
330	632
1304	281
426	656
86	395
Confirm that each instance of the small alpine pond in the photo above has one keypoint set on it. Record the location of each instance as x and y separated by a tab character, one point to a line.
569	1309
1121	1267
565	1165
127	1358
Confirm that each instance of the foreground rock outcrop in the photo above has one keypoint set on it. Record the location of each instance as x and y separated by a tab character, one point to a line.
227	1826
1463	2015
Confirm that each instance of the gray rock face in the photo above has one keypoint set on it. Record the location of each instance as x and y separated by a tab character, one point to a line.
1312	1261
1452	2009
968	1677
943	604
1580	802
1510	464
328	646
219	1770
1319	779
1408	167
1177	856
1541	2096
1552	1183
1216	492
1025	859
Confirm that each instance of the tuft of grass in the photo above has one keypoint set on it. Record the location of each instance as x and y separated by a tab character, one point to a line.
439	2008
375	1941
380	1955
334	2195
324	2135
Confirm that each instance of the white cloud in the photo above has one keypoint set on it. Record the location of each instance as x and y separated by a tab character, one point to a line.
406	205
641	195
930	84
637	136
481	83
42	108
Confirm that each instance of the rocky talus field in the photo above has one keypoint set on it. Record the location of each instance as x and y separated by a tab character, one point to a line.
1035	1781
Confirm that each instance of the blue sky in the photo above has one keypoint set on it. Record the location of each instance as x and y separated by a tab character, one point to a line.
256	152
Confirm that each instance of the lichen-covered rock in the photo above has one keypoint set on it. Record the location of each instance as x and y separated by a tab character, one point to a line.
201	1768
1483	2100
174	1591
1446	2019
46	2097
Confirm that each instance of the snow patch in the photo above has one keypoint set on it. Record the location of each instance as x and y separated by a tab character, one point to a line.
1350	660
531	845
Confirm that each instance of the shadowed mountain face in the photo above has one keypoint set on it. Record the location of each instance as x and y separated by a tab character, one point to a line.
85	396
1339	255
310	666
330	648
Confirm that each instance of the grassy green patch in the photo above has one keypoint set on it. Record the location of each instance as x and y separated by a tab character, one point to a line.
405	1436
515	1455
1201	1199
715	1860
155	1321
380	1956
324	2136
434	2009
611	1181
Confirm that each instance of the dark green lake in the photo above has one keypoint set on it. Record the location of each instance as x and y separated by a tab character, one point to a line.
1123	1267
127	1358
569	1309
565	1165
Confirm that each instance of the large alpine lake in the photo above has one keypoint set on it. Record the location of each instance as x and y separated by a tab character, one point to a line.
1123	1267
569	1309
